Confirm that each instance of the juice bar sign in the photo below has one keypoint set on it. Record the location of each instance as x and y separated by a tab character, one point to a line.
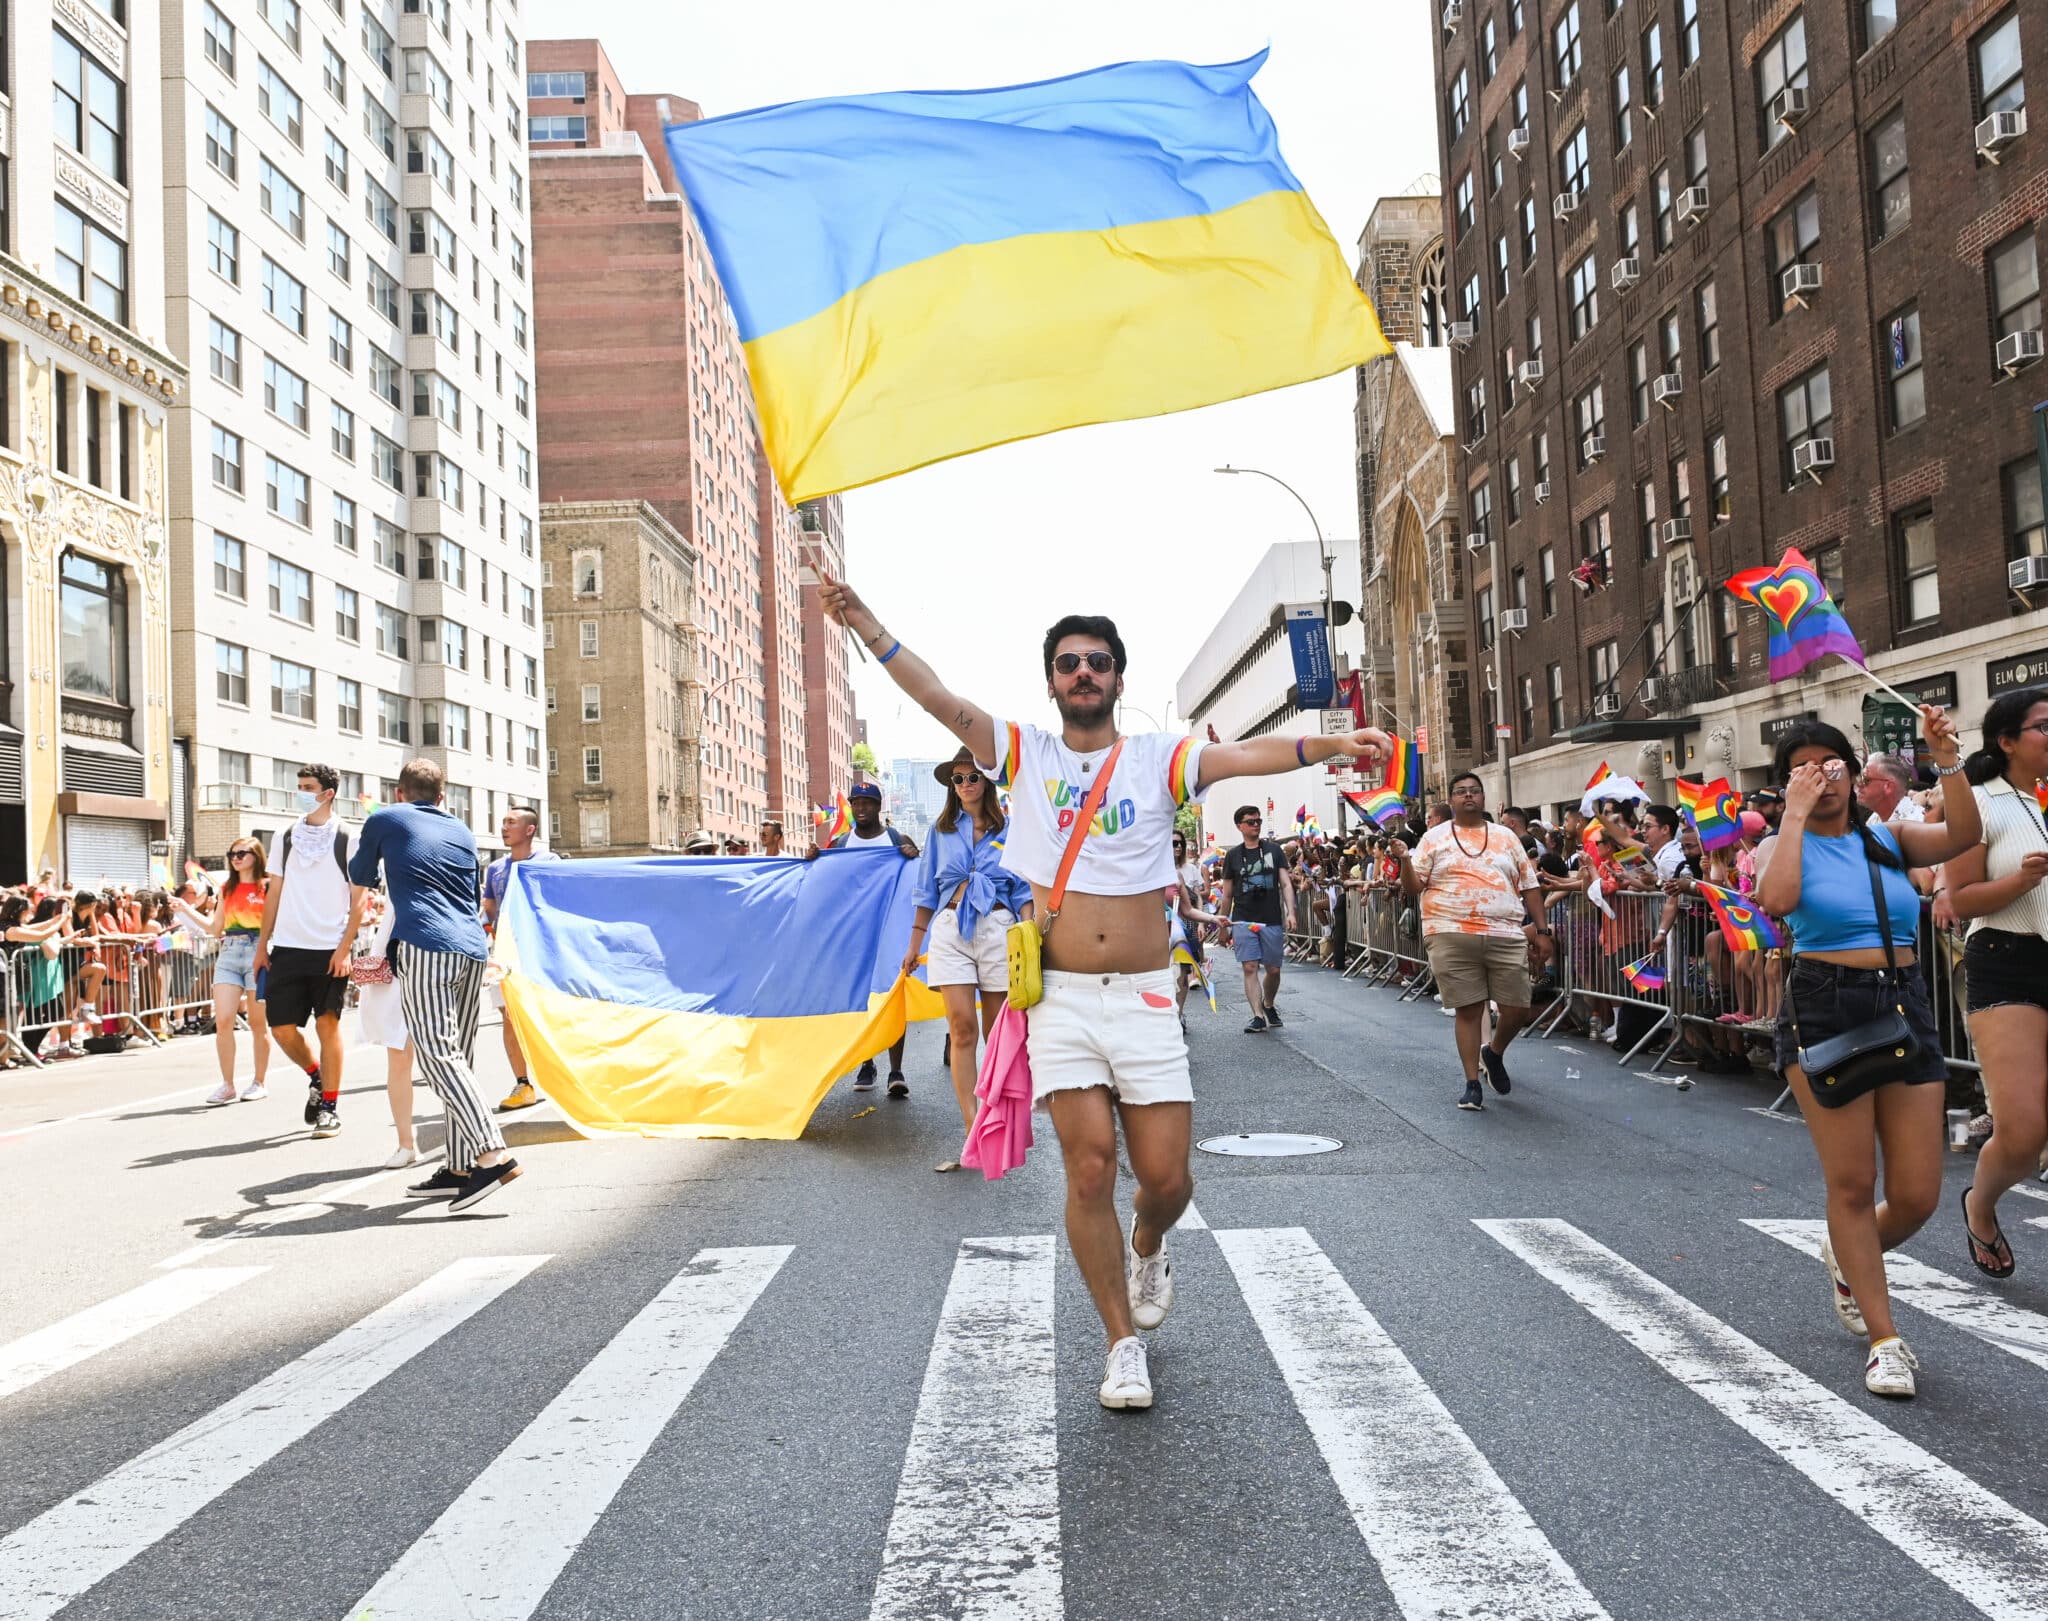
2009	675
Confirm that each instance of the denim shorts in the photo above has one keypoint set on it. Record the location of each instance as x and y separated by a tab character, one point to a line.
2004	969
1830	999
236	962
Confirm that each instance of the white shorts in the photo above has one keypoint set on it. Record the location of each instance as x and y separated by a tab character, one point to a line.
983	961
1113	1030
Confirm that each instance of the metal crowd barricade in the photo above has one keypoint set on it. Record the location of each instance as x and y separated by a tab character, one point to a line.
1593	945
121	981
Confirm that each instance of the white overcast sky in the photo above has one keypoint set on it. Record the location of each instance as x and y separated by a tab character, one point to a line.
970	560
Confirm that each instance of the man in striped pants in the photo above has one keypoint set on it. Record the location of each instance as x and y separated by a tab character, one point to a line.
428	860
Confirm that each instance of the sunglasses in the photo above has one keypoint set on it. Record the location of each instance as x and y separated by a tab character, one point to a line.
241	855
1100	663
961	780
1252	821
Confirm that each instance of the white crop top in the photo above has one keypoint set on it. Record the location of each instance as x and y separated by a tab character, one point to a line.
1130	847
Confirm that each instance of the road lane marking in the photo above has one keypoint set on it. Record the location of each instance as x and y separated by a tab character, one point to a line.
482	1556
85	1334
975	1532
2029	1191
1191	1220
1973	1540
1449	1537
61	1553
1962	1305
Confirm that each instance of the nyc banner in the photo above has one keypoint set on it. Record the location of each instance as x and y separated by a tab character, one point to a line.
1308	638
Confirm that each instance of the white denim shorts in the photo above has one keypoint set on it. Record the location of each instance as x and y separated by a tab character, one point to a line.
983	961
1115	1030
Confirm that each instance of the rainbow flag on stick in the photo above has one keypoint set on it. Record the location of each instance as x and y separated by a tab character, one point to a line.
1382	806
842	819
1599	776
1714	809
1742	925
1805	623
1645	973
1404	770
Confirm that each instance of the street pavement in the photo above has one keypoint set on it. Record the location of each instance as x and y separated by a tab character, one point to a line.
1570	1357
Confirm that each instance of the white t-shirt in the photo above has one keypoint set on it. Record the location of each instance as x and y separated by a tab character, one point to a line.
1130	847
1669	859
877	840
312	913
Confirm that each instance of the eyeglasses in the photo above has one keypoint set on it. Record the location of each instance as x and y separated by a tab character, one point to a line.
2039	726
1100	663
962	779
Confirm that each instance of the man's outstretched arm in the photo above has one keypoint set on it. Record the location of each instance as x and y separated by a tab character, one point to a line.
968	722
1270	756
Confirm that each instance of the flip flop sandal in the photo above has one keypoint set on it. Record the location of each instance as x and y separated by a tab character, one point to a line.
1996	1246
950	1165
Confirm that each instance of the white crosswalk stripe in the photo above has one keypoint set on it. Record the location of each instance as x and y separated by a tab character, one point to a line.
976	1527
1449	1536
1960	1304
1979	1544
58	1555
478	1559
50	1350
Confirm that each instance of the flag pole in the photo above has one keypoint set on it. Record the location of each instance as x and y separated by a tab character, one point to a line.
1911	703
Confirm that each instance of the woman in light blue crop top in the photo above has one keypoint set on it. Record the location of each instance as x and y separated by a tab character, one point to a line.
1818	877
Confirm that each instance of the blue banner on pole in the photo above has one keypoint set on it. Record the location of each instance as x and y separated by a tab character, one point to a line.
1308	638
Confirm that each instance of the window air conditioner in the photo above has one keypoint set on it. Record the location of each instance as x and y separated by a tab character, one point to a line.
1463	332
1565	204
1476	541
1529	373
1692	204
1999	131
1595	446
1666	389
1799	283
1789	108
1607	706
1514	619
1812	457
1518	141
2017	349
1677	531
1542	491
1652	689
2027	573
1626	273
1454	13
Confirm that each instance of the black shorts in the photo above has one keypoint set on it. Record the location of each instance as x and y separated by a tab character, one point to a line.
298	987
2004	969
1830	999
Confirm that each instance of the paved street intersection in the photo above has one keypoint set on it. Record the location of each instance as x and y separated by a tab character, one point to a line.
1571	1357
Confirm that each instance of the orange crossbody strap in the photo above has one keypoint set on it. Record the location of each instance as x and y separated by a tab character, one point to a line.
1089	807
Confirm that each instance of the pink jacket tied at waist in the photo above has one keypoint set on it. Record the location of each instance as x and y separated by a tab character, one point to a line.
1001	1133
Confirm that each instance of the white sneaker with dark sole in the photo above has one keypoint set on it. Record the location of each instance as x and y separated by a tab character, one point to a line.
1149	1279
1889	1372
1846	1309
1125	1380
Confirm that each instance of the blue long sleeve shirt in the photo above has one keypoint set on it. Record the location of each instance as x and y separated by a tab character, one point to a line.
950	859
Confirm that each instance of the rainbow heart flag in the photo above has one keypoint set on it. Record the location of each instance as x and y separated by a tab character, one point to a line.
1382	806
1805	623
1714	809
1742	925
1404	769
1646	973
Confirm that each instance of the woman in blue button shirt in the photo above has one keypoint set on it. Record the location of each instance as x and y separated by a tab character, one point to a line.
966	902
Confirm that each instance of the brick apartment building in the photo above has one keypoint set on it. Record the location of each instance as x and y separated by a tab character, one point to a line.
643	396
828	691
1734	275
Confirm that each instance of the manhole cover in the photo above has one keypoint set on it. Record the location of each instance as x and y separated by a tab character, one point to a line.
1269	1144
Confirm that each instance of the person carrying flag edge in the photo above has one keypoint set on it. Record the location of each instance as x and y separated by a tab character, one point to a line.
1105	1045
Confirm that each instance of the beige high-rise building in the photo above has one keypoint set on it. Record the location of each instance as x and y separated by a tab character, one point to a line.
87	385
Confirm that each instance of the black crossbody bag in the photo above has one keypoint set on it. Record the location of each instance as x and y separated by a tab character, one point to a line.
1863	1058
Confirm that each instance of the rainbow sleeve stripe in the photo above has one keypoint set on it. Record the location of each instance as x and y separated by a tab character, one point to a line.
1177	782
1010	755
1404	770
1714	809
1805	623
916	275
1742	925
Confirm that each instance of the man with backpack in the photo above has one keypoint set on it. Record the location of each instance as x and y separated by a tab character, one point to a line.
309	927
1257	895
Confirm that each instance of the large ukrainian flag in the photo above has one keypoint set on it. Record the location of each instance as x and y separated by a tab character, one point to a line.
921	274
684	997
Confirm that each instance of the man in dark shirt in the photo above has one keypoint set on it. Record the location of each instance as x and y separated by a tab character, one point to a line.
1257	894
437	951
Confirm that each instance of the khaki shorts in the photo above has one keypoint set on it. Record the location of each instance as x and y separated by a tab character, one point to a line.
1480	968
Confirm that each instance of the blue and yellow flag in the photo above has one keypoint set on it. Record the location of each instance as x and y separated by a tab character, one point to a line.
921	274
689	997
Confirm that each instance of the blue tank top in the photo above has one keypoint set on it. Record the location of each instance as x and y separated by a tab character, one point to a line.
1835	911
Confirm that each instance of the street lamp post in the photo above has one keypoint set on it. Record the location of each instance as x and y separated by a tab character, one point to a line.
1322	550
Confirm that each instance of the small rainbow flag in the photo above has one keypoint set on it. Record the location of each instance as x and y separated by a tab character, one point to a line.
1805	623
1714	809
1184	958
1742	925
842	818
1382	806
1404	769
2041	794
1599	776
193	870
1645	974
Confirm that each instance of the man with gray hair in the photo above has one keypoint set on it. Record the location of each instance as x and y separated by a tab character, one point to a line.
1885	789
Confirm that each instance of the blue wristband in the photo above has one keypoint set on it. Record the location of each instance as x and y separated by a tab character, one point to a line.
894	649
1301	750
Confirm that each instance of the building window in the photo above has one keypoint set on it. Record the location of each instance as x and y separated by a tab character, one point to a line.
341	432
387	461
1906	381
1638	383
291	690
2025	533
223	144
280	103
2015	285
284	295
586	638
587	574
1718	497
344	523
382	290
1707	326
1668	351
558	127
1553	679
1528	231
394	718
591	705
1596	542
1790	239
223	248
391	638
291	591
1696	155
333	73
1688	33
1585	297
1513	482
227	459
224	353
1527	706
550	705
1573	162
1539	451
1805	411
1879	18
1891	188
336	163
284	393
92	602
91	265
1566	52
341	342
378	44
1464	204
1780	66
1995	52
1646	521
348	705
1475	410
1663	216
384	377
1681	489
1589	413
1653	66
348	614
280	199
593	765
1622	106
89	108
340	255
219	40
1628	233
1603	665
1920	593
231	674
1482	610
1546	579
1458	104
287	492
230	567
526	605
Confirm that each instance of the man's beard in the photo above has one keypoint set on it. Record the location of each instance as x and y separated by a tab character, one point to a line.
1085	709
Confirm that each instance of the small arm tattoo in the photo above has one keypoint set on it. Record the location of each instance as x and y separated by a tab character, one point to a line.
961	721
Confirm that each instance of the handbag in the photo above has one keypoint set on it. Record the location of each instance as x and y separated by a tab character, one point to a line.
1864	1057
1025	940
371	970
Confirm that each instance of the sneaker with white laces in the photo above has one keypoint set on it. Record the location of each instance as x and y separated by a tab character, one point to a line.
1150	1280
255	1092
223	1093
1846	1308
1890	1369
1125	1380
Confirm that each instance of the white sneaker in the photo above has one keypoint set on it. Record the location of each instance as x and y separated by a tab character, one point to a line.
402	1157
1846	1308
1150	1280
1889	1371
1125	1383
255	1092
223	1093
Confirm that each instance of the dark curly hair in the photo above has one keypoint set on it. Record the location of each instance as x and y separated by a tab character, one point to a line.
1099	626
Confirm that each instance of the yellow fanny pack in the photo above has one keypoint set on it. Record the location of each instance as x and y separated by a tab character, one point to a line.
1026	940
